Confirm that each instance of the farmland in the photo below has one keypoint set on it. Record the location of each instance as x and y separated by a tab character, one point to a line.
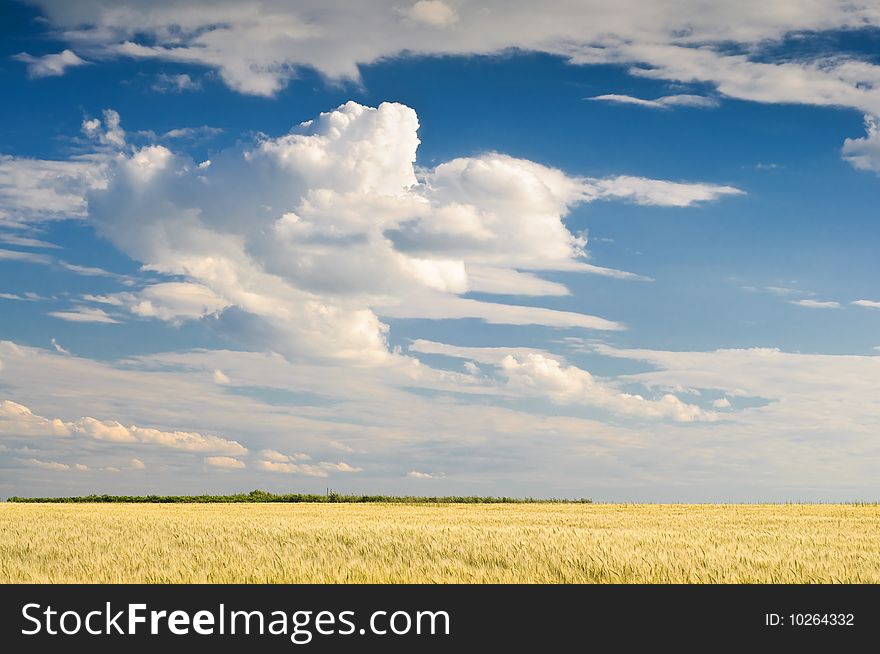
438	543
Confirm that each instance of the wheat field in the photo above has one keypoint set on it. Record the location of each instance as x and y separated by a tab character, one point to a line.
388	543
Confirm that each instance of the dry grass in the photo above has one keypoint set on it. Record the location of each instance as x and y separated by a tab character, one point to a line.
288	543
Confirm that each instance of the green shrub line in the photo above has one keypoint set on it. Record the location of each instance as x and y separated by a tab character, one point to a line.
291	498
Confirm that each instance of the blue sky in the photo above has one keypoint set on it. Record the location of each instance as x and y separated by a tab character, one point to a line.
616	254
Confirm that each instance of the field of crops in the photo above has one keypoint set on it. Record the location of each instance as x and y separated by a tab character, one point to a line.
438	543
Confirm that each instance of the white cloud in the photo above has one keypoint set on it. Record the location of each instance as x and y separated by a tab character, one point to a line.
274	456
342	466
224	462
50	65
438	307
432	12
84	314
506	281
538	374
109	132
192	133
17	420
817	304
721	403
60	350
25	257
869	304
415	474
171	301
178	83
36	189
316	232
26	241
88	271
258	47
806	393
277	457
220	377
864	153
806	429
291	468
28	296
137	464
55	466
657	192
664	102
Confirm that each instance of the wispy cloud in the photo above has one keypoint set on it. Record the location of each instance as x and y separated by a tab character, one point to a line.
416	474
817	304
50	65
663	102
166	83
84	314
26	241
25	257
24	297
55	466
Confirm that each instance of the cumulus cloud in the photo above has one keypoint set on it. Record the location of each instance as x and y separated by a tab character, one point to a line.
107	132
277	457
306	470
50	65
432	12
539	374
224	462
342	466
664	102
864	153
319	232
416	474
55	466
531	372
275	461
17	420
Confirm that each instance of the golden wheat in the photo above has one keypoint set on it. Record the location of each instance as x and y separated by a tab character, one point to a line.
387	543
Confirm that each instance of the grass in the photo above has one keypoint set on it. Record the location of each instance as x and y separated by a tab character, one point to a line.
469	543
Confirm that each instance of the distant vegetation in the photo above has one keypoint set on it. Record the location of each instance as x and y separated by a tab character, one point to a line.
293	498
